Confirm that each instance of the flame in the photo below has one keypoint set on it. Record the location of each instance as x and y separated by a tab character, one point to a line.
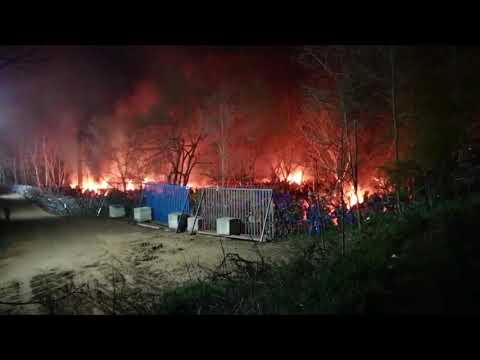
351	198
295	177
91	185
130	185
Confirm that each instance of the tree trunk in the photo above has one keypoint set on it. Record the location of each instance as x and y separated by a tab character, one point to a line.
15	169
124	184
342	173
394	118
24	160
222	139
37	175
45	161
79	159
355	177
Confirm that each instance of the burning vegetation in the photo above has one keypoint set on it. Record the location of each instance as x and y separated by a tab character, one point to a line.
334	121
370	150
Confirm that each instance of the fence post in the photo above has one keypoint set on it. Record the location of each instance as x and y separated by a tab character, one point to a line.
187	197
196	212
266	217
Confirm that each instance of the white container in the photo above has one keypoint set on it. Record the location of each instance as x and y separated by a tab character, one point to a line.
228	226
173	220
142	214
116	211
198	223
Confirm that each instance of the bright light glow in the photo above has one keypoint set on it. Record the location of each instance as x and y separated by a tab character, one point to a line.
130	185
192	184
295	177
91	185
351	198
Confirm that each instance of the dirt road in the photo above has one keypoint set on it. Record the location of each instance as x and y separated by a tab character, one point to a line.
40	252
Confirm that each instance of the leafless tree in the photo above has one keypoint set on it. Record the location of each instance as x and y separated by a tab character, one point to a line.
287	160
176	141
222	111
40	163
129	161
343	93
244	160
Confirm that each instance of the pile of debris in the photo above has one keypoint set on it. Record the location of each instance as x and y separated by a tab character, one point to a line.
53	203
87	204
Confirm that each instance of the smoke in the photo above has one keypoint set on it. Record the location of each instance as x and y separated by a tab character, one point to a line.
102	90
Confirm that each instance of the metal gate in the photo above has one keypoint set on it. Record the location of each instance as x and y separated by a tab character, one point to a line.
254	207
165	199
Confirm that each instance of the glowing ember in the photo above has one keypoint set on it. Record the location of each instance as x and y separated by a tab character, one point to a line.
296	177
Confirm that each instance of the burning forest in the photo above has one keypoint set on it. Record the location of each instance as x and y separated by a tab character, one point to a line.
322	142
220	119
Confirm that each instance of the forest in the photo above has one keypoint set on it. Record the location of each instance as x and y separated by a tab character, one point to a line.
371	151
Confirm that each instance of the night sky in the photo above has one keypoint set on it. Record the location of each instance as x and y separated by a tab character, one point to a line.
72	85
91	81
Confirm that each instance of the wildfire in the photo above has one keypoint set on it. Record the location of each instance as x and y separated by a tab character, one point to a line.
296	177
130	185
351	198
91	185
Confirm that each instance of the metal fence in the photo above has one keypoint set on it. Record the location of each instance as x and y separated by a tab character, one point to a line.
253	207
165	199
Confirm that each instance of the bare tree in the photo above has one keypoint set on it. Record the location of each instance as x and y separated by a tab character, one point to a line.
42	163
334	63
287	160
244	159
129	160
342	66
222	112
175	140
233	102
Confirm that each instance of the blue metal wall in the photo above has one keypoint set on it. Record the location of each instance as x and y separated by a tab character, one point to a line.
165	199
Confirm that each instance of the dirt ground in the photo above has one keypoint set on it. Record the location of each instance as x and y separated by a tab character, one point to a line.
40	252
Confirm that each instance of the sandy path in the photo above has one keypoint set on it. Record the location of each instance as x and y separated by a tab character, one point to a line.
39	251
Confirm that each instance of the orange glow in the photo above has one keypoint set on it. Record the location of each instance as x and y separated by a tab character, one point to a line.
91	185
130	185
350	197
193	184
296	177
